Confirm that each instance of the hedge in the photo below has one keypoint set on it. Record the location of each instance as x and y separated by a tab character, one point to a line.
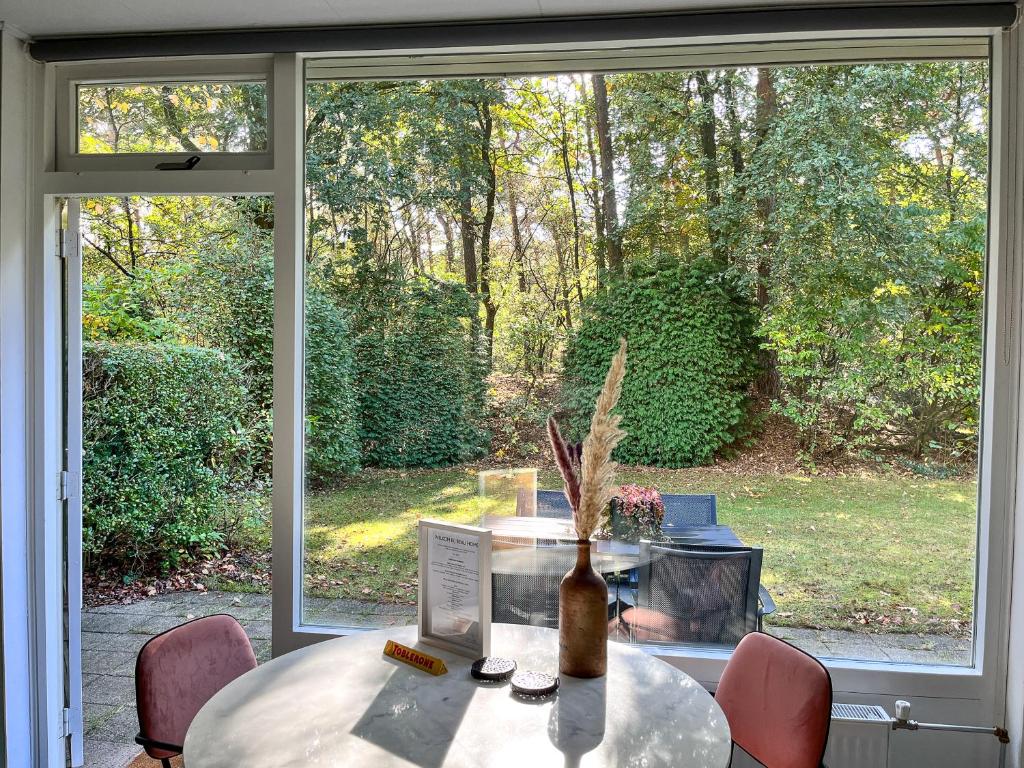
164	451
692	357
419	371
242	285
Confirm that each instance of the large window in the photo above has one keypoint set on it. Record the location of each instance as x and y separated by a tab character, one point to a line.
796	256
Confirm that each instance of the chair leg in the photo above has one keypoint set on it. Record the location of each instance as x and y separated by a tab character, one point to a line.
165	762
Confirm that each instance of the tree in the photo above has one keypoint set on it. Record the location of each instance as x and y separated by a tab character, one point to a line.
612	238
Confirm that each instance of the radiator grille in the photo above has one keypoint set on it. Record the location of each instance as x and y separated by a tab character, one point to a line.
869	713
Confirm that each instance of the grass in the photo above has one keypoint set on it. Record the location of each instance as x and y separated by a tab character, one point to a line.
875	552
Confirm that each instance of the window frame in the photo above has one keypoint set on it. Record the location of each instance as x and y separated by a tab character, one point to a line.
280	173
70	76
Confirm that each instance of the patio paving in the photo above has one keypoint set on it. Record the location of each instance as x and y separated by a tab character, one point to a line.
113	634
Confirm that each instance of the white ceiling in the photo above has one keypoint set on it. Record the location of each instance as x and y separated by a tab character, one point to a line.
43	18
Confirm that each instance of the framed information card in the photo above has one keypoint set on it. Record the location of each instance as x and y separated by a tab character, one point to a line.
455	588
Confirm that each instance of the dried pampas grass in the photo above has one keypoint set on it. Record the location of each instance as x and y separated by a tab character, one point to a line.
590	487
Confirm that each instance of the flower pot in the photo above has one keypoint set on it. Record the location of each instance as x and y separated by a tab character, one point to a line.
583	619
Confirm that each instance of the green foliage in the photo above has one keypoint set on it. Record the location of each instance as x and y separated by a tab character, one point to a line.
165	453
241	286
420	371
875	259
691	361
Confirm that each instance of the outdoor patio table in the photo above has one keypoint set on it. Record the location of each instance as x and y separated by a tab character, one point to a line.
343	703
528	552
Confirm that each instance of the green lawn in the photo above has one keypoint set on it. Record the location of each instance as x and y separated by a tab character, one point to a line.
873	552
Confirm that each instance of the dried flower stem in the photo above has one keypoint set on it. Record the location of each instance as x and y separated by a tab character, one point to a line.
597	473
566	466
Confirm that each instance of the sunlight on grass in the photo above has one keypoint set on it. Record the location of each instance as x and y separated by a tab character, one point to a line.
872	552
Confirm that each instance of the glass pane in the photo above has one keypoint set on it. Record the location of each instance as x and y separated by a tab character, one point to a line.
796	258
177	385
172	117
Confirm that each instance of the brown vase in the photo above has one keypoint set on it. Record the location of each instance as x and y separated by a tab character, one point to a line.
583	619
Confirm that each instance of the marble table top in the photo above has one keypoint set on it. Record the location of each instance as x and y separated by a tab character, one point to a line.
343	703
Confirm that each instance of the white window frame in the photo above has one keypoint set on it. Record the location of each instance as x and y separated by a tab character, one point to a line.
70	76
978	690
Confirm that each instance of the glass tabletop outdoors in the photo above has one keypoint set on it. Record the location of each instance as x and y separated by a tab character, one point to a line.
541	544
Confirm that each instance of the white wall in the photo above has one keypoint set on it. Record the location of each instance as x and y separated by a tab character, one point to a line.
18	705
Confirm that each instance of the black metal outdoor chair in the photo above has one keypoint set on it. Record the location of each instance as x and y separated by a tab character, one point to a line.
696	594
689	510
553	504
530	595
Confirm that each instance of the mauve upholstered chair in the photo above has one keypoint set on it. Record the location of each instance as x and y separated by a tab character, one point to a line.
778	701
178	671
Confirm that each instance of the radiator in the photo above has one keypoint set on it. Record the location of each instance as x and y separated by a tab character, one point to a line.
858	737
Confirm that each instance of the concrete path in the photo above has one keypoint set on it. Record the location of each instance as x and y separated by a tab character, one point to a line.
112	636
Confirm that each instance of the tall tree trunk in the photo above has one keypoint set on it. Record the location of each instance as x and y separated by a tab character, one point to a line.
595	201
467	226
562	287
766	112
612	236
571	187
449	244
709	161
518	252
732	116
486	155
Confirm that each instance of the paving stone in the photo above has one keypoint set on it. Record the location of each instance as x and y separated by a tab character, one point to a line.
154	625
262	650
112	622
99	641
108	662
120	726
96	715
112	690
257	630
109	754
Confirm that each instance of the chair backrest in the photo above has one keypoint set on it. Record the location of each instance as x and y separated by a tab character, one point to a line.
553	504
530	596
689	510
178	671
778	701
710	592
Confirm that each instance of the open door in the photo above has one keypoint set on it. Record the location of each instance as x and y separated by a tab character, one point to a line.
71	480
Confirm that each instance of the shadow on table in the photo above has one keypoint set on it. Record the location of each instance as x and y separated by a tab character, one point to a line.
414	721
577	722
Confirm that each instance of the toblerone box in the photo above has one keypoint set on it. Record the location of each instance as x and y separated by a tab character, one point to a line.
414	658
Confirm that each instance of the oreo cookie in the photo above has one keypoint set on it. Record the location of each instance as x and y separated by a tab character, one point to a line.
534	685
493	668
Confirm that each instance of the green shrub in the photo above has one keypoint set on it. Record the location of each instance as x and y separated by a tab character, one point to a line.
691	361
241	299
419	369
165	457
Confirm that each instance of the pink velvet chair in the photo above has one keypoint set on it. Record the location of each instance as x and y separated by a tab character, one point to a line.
778	701
178	671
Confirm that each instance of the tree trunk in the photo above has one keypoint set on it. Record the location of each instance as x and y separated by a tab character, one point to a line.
449	244
595	201
709	162
612	236
490	308
467	225
768	384
571	187
518	252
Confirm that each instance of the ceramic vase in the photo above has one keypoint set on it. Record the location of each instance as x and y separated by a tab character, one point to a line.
583	619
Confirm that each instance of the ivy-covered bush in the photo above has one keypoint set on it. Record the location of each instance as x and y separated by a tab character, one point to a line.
165	454
691	361
419	371
240	319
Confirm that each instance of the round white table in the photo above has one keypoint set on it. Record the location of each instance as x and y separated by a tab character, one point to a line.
343	703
